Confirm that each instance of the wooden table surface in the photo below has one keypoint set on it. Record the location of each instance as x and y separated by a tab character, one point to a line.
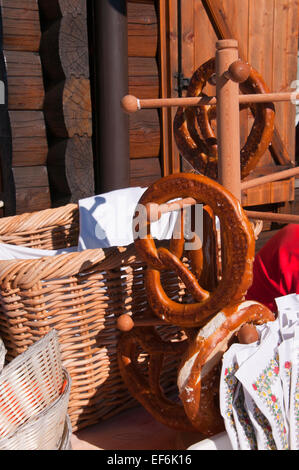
131	430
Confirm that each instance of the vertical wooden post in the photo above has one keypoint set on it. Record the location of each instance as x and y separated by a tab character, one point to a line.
112	166
228	121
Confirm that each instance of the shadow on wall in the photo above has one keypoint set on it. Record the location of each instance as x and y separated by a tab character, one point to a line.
119	5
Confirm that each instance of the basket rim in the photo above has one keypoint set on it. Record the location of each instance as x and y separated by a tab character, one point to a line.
31	221
26	273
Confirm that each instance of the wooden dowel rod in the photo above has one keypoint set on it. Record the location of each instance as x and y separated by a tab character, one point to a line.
131	104
269	178
268	97
228	120
283	218
125	322
154	211
174	206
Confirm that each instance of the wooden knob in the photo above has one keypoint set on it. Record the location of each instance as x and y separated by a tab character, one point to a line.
248	334
125	322
239	71
130	104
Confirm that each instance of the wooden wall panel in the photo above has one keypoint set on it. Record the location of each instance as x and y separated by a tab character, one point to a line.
285	47
28	149
145	134
21	40
267	32
142	30
145	171
21	25
67	104
169	68
144	82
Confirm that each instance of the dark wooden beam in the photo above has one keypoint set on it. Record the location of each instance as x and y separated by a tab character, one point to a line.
109	50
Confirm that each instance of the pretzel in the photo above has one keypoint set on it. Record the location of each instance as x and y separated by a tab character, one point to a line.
199	373
199	146
238	252
147	389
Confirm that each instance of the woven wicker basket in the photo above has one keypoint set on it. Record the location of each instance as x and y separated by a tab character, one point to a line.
66	443
2	354
81	295
34	396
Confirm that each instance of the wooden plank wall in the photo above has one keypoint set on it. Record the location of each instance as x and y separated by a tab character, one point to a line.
144	82
67	105
267	31
21	41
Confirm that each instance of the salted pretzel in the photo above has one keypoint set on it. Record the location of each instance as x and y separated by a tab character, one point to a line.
195	137
220	314
146	388
199	373
238	252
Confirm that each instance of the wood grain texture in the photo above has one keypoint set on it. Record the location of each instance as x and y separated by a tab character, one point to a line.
145	137
70	167
67	108
21	26
28	138
30	177
266	31
169	67
145	171
21	39
284	71
25	80
54	9
142	30
32	199
67	105
64	48
224	31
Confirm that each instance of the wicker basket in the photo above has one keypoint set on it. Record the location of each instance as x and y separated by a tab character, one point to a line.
81	295
2	354
34	395
66	443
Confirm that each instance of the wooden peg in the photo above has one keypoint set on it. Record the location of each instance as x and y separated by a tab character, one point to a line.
126	323
238	71
129	104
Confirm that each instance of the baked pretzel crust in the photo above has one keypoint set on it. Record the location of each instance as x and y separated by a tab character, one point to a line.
199	373
196	139
238	252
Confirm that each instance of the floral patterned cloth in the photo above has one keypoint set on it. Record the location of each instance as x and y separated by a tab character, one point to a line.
259	385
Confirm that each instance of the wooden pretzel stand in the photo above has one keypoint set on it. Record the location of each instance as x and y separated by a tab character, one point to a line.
219	314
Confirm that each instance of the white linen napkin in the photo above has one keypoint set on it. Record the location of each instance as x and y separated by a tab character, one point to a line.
8	252
259	384
106	219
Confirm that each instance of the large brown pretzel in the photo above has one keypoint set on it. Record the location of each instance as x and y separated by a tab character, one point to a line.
198	378
199	374
195	137
238	252
147	389
221	314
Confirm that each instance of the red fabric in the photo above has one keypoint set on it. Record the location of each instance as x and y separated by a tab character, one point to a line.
276	268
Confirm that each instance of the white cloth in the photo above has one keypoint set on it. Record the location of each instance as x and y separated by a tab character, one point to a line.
23	252
259	385
106	219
